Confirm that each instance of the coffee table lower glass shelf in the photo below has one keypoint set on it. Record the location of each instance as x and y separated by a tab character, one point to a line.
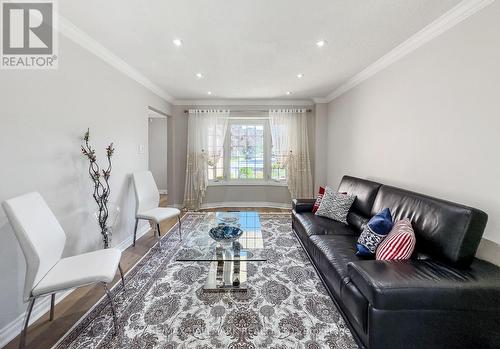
228	260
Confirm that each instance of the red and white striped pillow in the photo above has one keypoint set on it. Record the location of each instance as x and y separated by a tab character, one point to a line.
399	243
318	199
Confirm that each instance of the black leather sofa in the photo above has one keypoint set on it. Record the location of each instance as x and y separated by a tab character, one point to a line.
443	297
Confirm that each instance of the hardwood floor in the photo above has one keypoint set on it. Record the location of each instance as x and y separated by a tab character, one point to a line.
44	333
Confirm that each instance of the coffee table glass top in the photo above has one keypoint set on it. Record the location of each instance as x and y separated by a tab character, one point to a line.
197	245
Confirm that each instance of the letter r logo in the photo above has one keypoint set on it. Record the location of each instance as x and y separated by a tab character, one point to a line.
27	28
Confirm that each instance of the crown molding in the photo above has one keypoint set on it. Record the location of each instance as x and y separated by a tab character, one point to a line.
13	328
445	22
243	102
320	100
72	32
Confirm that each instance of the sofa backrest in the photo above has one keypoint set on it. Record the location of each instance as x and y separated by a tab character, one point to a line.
365	192
444	229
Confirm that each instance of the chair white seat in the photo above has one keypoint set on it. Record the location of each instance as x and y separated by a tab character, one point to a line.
159	214
42	240
147	198
76	271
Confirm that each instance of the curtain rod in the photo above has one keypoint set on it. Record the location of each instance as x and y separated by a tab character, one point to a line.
250	111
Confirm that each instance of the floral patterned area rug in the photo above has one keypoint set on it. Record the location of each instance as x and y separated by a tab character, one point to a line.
164	306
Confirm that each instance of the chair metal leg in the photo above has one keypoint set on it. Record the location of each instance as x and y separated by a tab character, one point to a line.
52	305
22	340
121	275
159	234
135	230
180	235
112	303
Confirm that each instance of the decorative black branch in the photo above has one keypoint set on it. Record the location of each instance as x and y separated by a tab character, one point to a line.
100	179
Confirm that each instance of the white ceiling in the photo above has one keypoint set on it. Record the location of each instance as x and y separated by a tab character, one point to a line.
251	49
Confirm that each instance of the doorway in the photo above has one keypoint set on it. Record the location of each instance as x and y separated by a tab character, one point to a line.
157	149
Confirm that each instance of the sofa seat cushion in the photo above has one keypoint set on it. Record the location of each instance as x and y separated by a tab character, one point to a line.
332	253
427	284
315	225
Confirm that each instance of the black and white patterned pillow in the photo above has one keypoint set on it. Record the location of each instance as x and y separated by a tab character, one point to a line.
335	205
370	240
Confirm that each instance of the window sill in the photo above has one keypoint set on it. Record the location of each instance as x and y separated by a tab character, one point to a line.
246	183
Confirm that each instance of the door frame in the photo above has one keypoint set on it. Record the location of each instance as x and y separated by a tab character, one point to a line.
153	113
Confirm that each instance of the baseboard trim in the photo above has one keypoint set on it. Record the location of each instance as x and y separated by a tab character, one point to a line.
122	246
42	305
255	204
163	191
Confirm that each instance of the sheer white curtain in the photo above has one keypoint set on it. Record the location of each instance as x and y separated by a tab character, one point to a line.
206	133
291	147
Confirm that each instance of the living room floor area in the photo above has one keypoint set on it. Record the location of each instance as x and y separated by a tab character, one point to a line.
44	333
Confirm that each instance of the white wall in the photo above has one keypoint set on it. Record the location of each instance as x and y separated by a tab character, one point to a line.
43	115
216	195
158	145
320	145
430	122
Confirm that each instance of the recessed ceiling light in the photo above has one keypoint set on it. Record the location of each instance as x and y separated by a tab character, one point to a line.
300	75
321	43
288	93
177	42
209	93
199	75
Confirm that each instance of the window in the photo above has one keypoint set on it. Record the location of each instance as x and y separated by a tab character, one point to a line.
246	154
278	169
246	151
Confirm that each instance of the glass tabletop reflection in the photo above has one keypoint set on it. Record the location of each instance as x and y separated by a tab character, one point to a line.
197	245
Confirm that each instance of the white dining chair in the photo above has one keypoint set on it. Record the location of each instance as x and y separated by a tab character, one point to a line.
42	241
147	199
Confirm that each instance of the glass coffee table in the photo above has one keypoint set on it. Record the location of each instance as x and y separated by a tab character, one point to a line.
228	260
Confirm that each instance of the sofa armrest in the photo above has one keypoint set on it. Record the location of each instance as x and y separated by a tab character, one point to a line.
427	284
303	205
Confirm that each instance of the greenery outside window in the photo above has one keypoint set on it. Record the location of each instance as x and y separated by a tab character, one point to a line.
247	154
